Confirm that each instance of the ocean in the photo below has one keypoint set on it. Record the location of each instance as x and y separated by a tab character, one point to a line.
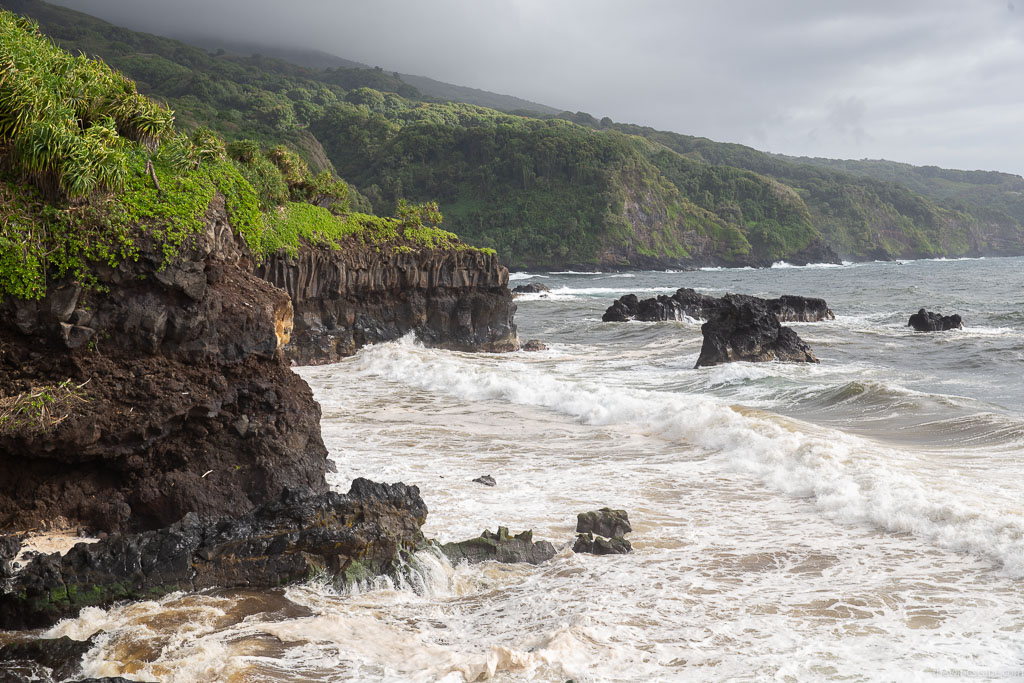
857	520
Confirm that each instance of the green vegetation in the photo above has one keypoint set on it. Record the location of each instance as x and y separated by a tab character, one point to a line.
92	167
40	410
543	190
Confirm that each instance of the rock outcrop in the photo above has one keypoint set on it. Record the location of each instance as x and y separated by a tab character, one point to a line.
345	538
687	303
345	299
926	321
531	288
499	547
161	391
745	328
602	532
56	659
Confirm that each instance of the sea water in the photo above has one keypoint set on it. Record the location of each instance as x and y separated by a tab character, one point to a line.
860	519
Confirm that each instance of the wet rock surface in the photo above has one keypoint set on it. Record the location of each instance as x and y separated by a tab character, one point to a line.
744	328
602	532
486	480
179	400
499	547
345	538
687	303
43	659
343	300
531	288
926	321
534	345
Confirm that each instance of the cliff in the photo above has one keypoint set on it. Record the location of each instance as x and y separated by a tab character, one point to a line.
160	391
346	298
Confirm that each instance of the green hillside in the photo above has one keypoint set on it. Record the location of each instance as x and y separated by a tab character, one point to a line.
93	170
553	191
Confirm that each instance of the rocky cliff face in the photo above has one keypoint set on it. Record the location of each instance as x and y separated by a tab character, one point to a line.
345	299
163	392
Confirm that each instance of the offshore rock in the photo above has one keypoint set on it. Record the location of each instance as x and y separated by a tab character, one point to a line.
598	545
745	328
345	299
602	532
301	534
604	522
687	303
486	480
926	321
531	288
499	547
139	426
534	345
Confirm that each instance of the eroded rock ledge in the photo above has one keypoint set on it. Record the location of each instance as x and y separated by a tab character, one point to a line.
166	394
688	303
345	299
344	538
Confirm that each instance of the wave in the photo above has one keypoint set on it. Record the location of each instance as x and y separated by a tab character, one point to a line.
714	269
512	277
849	479
571	293
812	266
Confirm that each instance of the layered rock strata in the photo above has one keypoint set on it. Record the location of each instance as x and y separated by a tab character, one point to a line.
345	299
744	328
687	303
160	391
343	538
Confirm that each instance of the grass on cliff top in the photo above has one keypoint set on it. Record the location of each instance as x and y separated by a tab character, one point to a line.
93	169
40	410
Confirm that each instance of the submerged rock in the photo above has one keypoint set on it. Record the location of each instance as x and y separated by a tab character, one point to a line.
926	321
534	345
531	288
486	480
744	328
301	534
688	303
499	547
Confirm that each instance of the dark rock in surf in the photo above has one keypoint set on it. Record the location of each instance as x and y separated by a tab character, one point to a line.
926	321
800	309
603	522
345	537
534	345
499	547
531	288
687	303
598	545
486	480
60	659
624	309
9	547
744	328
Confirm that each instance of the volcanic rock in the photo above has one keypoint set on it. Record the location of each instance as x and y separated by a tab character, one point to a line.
534	345
604	522
499	547
346	538
486	480
597	545
745	328
926	321
687	303
61	657
348	298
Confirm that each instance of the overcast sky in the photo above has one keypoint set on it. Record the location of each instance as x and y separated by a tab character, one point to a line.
927	82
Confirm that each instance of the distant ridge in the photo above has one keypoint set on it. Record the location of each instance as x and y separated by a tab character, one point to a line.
431	88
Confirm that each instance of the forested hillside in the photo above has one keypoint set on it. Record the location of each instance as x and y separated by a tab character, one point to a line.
551	191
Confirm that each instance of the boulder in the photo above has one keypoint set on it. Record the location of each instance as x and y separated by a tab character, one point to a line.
486	480
745	328
499	547
604	522
622	310
534	345
597	545
531	288
344	537
60	657
9	547
800	309
926	321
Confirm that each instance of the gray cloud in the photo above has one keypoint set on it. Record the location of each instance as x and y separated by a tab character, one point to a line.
922	81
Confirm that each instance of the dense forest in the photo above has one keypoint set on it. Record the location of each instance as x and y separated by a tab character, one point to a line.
555	190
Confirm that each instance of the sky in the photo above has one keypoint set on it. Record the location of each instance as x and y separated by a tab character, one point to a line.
936	82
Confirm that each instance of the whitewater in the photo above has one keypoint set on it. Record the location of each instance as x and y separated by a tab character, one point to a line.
857	520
